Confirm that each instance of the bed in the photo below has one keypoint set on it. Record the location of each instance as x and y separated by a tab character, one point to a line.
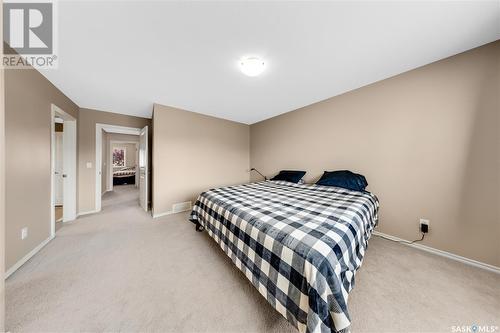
125	175
299	245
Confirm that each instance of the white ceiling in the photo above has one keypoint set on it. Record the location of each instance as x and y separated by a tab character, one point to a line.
123	56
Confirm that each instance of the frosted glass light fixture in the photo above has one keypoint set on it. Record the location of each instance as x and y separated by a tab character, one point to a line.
252	66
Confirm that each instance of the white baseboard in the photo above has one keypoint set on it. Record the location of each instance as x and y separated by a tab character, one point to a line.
445	254
156	215
87	212
169	213
27	257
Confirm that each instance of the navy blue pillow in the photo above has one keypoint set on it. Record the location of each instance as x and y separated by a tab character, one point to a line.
343	178
289	176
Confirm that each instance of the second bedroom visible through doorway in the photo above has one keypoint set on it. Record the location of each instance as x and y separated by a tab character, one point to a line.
120	157
121	166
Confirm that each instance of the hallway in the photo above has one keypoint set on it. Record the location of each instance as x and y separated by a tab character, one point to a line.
122	195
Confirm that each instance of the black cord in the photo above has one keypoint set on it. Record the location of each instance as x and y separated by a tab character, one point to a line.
403	241
253	169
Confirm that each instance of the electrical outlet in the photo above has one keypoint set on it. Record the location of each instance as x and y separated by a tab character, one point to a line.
424	225
24	232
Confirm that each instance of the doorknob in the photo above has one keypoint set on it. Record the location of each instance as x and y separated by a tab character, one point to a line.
64	175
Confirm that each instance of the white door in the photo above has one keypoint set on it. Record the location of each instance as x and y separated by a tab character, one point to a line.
143	169
69	171
58	169
136	166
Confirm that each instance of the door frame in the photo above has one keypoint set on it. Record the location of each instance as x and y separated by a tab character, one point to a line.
109	169
98	154
69	194
145	132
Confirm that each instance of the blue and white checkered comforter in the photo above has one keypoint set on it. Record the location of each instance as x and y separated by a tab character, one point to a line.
299	245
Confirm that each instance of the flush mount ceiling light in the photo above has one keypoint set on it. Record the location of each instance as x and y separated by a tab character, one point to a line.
252	66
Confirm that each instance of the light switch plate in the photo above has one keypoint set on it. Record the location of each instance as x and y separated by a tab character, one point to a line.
89	165
24	232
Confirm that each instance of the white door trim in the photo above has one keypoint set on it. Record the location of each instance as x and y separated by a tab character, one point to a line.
144	169
69	205
98	154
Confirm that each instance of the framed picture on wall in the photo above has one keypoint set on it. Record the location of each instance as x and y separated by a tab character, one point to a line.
119	157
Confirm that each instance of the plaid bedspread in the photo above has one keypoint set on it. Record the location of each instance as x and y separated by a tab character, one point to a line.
299	245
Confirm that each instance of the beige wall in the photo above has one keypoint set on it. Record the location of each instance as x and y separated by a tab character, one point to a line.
427	141
123	137
28	98
86	138
194	152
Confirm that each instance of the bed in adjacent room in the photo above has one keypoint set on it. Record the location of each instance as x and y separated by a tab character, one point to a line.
299	245
124	175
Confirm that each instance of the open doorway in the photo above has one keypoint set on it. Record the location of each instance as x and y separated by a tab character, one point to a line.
58	171
123	161
63	168
120	170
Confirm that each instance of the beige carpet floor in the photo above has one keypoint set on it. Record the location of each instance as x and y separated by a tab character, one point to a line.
120	270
